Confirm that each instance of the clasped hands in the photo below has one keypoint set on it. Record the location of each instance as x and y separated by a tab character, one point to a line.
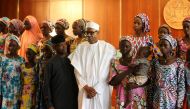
91	92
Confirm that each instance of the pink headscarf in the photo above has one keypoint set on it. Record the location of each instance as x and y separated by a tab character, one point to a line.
32	36
18	24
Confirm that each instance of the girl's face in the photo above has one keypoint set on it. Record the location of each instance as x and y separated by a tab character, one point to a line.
45	29
3	27
13	46
165	47
12	28
30	55
125	47
59	29
162	31
138	24
27	24
76	29
47	52
186	28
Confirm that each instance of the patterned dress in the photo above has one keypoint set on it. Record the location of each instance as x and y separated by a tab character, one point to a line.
2	43
170	85
136	98
41	67
182	49
29	83
186	104
10	82
138	42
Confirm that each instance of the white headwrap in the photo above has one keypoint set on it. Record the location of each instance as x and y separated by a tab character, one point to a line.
171	40
92	25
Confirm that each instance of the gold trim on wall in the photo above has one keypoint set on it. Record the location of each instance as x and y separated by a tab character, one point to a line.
18	9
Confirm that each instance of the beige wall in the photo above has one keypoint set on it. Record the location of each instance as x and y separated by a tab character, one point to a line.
68	9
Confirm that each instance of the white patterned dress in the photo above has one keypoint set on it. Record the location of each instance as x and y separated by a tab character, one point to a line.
170	85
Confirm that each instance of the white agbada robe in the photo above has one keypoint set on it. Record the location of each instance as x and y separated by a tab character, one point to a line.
92	63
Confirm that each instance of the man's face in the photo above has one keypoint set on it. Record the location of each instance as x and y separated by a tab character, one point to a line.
91	35
61	48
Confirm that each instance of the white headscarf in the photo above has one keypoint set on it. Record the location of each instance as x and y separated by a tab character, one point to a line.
171	40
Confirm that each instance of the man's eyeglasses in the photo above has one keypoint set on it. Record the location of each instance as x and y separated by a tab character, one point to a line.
90	33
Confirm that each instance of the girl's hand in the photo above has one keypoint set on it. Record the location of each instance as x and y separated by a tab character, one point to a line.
124	81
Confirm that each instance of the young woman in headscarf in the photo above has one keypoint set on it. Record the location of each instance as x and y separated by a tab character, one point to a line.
183	47
29	79
163	30
46	28
10	77
60	27
79	27
141	28
47	53
170	77
31	35
16	27
129	94
4	23
141	38
184	43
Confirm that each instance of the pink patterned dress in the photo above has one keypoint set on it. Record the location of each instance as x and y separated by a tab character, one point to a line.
138	42
183	47
136	97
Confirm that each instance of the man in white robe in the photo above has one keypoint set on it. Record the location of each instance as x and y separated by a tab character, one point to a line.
91	61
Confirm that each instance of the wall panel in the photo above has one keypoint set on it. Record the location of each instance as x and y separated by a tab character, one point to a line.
107	15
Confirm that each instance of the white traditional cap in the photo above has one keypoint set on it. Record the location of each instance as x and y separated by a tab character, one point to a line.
92	25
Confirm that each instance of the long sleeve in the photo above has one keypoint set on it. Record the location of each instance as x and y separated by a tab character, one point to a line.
47	90
81	82
181	86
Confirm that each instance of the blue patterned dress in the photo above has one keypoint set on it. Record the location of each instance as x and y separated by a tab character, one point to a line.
2	42
170	85
10	82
